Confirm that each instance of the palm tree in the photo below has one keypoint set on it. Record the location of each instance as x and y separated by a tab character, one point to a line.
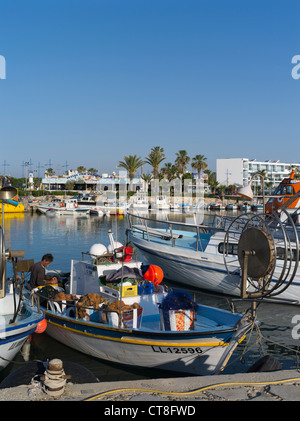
155	158
147	178
213	185
49	172
170	171
81	168
199	164
182	160
92	170
131	163
263	174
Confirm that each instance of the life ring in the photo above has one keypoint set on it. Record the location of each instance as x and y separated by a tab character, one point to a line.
75	205
61	204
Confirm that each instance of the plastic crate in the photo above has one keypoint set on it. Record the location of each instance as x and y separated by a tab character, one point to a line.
127	290
145	289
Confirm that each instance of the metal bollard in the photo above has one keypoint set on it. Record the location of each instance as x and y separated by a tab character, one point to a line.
54	378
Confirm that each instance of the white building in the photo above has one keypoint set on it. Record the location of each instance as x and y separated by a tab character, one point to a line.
238	171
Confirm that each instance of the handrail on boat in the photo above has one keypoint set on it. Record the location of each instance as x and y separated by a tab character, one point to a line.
218	224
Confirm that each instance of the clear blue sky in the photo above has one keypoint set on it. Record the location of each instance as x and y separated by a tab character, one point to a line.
90	81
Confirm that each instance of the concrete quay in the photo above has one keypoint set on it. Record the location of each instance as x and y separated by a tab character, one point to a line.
282	385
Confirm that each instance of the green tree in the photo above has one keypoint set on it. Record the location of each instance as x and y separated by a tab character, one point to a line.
92	170
147	178
182	159
199	164
49	172
131	163
81	168
155	158
169	171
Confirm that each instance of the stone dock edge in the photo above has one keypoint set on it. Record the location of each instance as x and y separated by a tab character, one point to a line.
282	385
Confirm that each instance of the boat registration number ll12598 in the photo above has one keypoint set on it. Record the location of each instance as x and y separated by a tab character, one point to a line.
176	350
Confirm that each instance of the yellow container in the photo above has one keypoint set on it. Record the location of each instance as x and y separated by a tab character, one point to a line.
127	290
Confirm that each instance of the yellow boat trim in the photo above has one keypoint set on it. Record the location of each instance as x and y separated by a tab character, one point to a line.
82	322
149	342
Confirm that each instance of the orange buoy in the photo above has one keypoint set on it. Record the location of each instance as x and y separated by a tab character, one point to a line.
153	274
41	326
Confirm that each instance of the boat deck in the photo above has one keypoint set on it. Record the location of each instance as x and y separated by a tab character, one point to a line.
183	239
201	324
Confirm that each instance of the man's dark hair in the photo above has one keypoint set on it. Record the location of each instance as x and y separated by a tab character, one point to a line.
48	257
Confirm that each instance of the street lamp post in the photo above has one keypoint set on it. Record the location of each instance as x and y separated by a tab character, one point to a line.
247	190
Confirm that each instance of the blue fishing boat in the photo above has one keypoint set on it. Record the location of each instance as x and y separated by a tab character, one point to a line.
123	314
19	317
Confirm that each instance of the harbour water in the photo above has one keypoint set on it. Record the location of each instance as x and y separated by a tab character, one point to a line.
67	237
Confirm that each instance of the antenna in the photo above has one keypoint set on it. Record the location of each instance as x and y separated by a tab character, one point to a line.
39	167
30	165
49	164
4	166
66	166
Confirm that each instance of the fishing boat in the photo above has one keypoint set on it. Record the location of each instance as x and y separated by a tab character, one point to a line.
232	207
63	207
19	318
245	207
12	206
140	202
87	199
218	206
160	203
125	316
205	256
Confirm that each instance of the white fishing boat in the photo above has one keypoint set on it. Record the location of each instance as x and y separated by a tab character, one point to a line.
99	211
111	207
160	202
232	207
87	199
63	207
245	207
152	331
19	318
205	256
139	202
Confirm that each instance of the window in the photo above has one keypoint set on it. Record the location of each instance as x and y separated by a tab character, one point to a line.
280	254
231	248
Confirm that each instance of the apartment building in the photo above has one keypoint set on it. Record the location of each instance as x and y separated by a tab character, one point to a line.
238	171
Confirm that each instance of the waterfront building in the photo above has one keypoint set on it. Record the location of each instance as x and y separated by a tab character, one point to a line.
238	171
91	181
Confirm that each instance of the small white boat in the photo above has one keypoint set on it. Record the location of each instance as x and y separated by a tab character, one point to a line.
139	202
231	207
191	339
160	203
19	317
245	207
175	207
64	207
196	254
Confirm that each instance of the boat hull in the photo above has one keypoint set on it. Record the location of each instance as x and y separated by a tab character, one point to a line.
13	336
200	270
186	353
8	208
187	267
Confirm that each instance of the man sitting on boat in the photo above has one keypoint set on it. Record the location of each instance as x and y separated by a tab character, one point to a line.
38	276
